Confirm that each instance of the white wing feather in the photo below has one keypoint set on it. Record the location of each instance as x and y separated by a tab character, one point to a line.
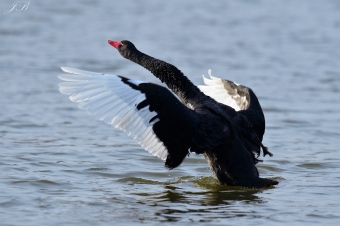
214	88
112	101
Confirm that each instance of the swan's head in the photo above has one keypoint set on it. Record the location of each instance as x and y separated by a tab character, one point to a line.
125	48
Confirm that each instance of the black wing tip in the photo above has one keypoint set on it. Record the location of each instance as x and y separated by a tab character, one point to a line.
130	82
174	160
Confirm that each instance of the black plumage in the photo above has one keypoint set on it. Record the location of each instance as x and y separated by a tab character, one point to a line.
230	140
223	120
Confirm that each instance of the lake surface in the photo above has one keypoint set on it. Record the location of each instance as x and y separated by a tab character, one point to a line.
59	166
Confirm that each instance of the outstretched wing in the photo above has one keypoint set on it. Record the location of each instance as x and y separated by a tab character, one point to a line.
242	99
149	113
239	97
226	92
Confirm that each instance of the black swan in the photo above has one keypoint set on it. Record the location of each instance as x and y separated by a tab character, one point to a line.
222	120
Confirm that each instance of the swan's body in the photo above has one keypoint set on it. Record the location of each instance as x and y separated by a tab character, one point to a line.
222	120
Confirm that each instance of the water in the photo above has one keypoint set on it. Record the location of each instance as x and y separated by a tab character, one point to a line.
59	166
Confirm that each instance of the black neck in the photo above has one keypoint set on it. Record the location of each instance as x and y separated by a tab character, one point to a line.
168	74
